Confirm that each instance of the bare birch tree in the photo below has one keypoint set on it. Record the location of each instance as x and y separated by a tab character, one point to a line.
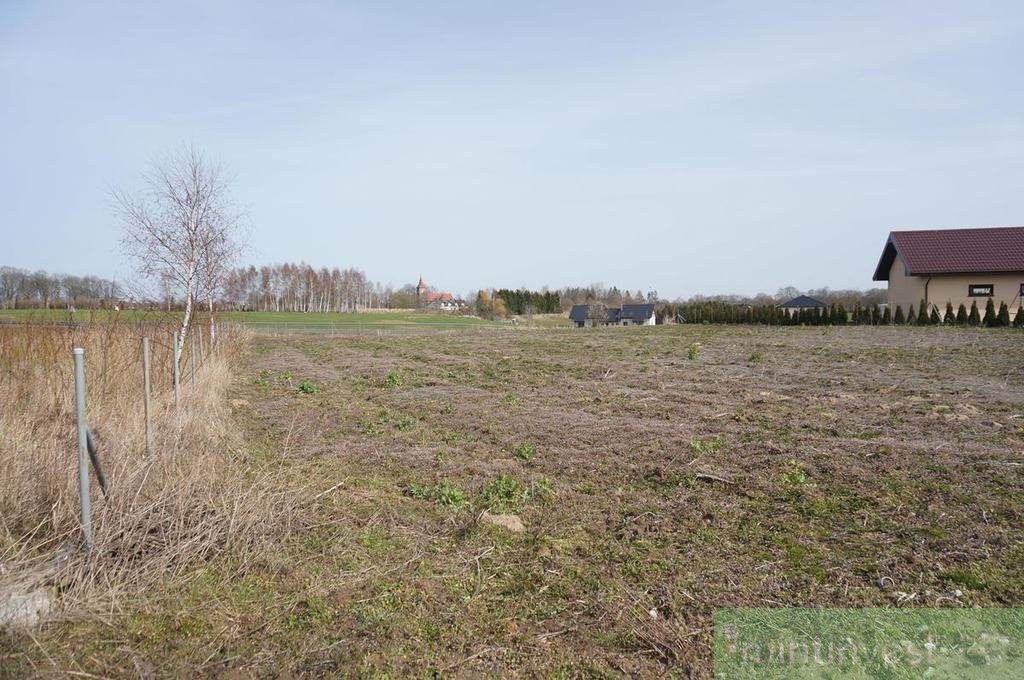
220	252
182	229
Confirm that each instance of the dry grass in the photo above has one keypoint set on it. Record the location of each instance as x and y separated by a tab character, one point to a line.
781	467
164	513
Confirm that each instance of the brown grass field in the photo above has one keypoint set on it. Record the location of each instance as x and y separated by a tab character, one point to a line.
660	473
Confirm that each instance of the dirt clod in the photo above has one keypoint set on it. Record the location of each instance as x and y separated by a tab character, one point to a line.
510	522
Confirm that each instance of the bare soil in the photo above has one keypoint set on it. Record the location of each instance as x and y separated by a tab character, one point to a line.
779	467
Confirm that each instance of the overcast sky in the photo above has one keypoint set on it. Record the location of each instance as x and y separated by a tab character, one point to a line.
686	147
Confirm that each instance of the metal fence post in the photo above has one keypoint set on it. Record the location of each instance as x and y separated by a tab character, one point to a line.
177	373
146	390
83	446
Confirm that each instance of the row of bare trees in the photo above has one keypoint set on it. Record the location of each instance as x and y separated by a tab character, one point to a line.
848	297
301	288
20	287
611	296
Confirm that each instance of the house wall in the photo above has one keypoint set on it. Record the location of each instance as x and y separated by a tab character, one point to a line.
790	311
905	290
910	290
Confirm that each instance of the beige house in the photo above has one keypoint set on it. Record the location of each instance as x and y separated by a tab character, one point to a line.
958	266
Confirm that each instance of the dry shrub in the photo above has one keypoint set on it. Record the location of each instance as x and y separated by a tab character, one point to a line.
165	512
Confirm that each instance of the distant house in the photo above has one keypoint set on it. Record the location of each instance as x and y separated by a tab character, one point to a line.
444	302
627	315
801	302
637	315
956	266
578	315
441	301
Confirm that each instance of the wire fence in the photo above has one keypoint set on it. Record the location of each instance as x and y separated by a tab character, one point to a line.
188	357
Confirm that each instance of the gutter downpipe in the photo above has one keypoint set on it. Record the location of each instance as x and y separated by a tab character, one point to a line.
927	302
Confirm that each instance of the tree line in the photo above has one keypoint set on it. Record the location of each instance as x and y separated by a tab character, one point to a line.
524	301
23	288
556	301
299	287
848	297
839	315
547	301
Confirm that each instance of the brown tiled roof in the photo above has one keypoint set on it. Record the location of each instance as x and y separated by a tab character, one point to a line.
954	251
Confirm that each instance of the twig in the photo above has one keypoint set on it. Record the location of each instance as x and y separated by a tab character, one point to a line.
713	478
324	493
547	636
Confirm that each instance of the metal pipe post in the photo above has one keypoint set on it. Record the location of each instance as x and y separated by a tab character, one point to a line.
177	372
147	392
83	446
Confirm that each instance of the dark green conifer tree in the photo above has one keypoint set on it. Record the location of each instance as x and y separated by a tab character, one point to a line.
886	316
876	316
933	318
950	317
1018	321
973	317
961	315
922	314
912	317
1003	317
990	313
898	318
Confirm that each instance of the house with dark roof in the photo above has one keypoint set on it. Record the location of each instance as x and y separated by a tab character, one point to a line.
957	266
578	315
801	302
627	315
637	315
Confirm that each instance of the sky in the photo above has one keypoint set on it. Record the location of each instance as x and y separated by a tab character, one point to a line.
725	147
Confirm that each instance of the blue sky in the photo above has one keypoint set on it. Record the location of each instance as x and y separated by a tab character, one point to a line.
720	147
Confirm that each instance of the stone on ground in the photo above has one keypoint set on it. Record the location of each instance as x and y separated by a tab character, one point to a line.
510	522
